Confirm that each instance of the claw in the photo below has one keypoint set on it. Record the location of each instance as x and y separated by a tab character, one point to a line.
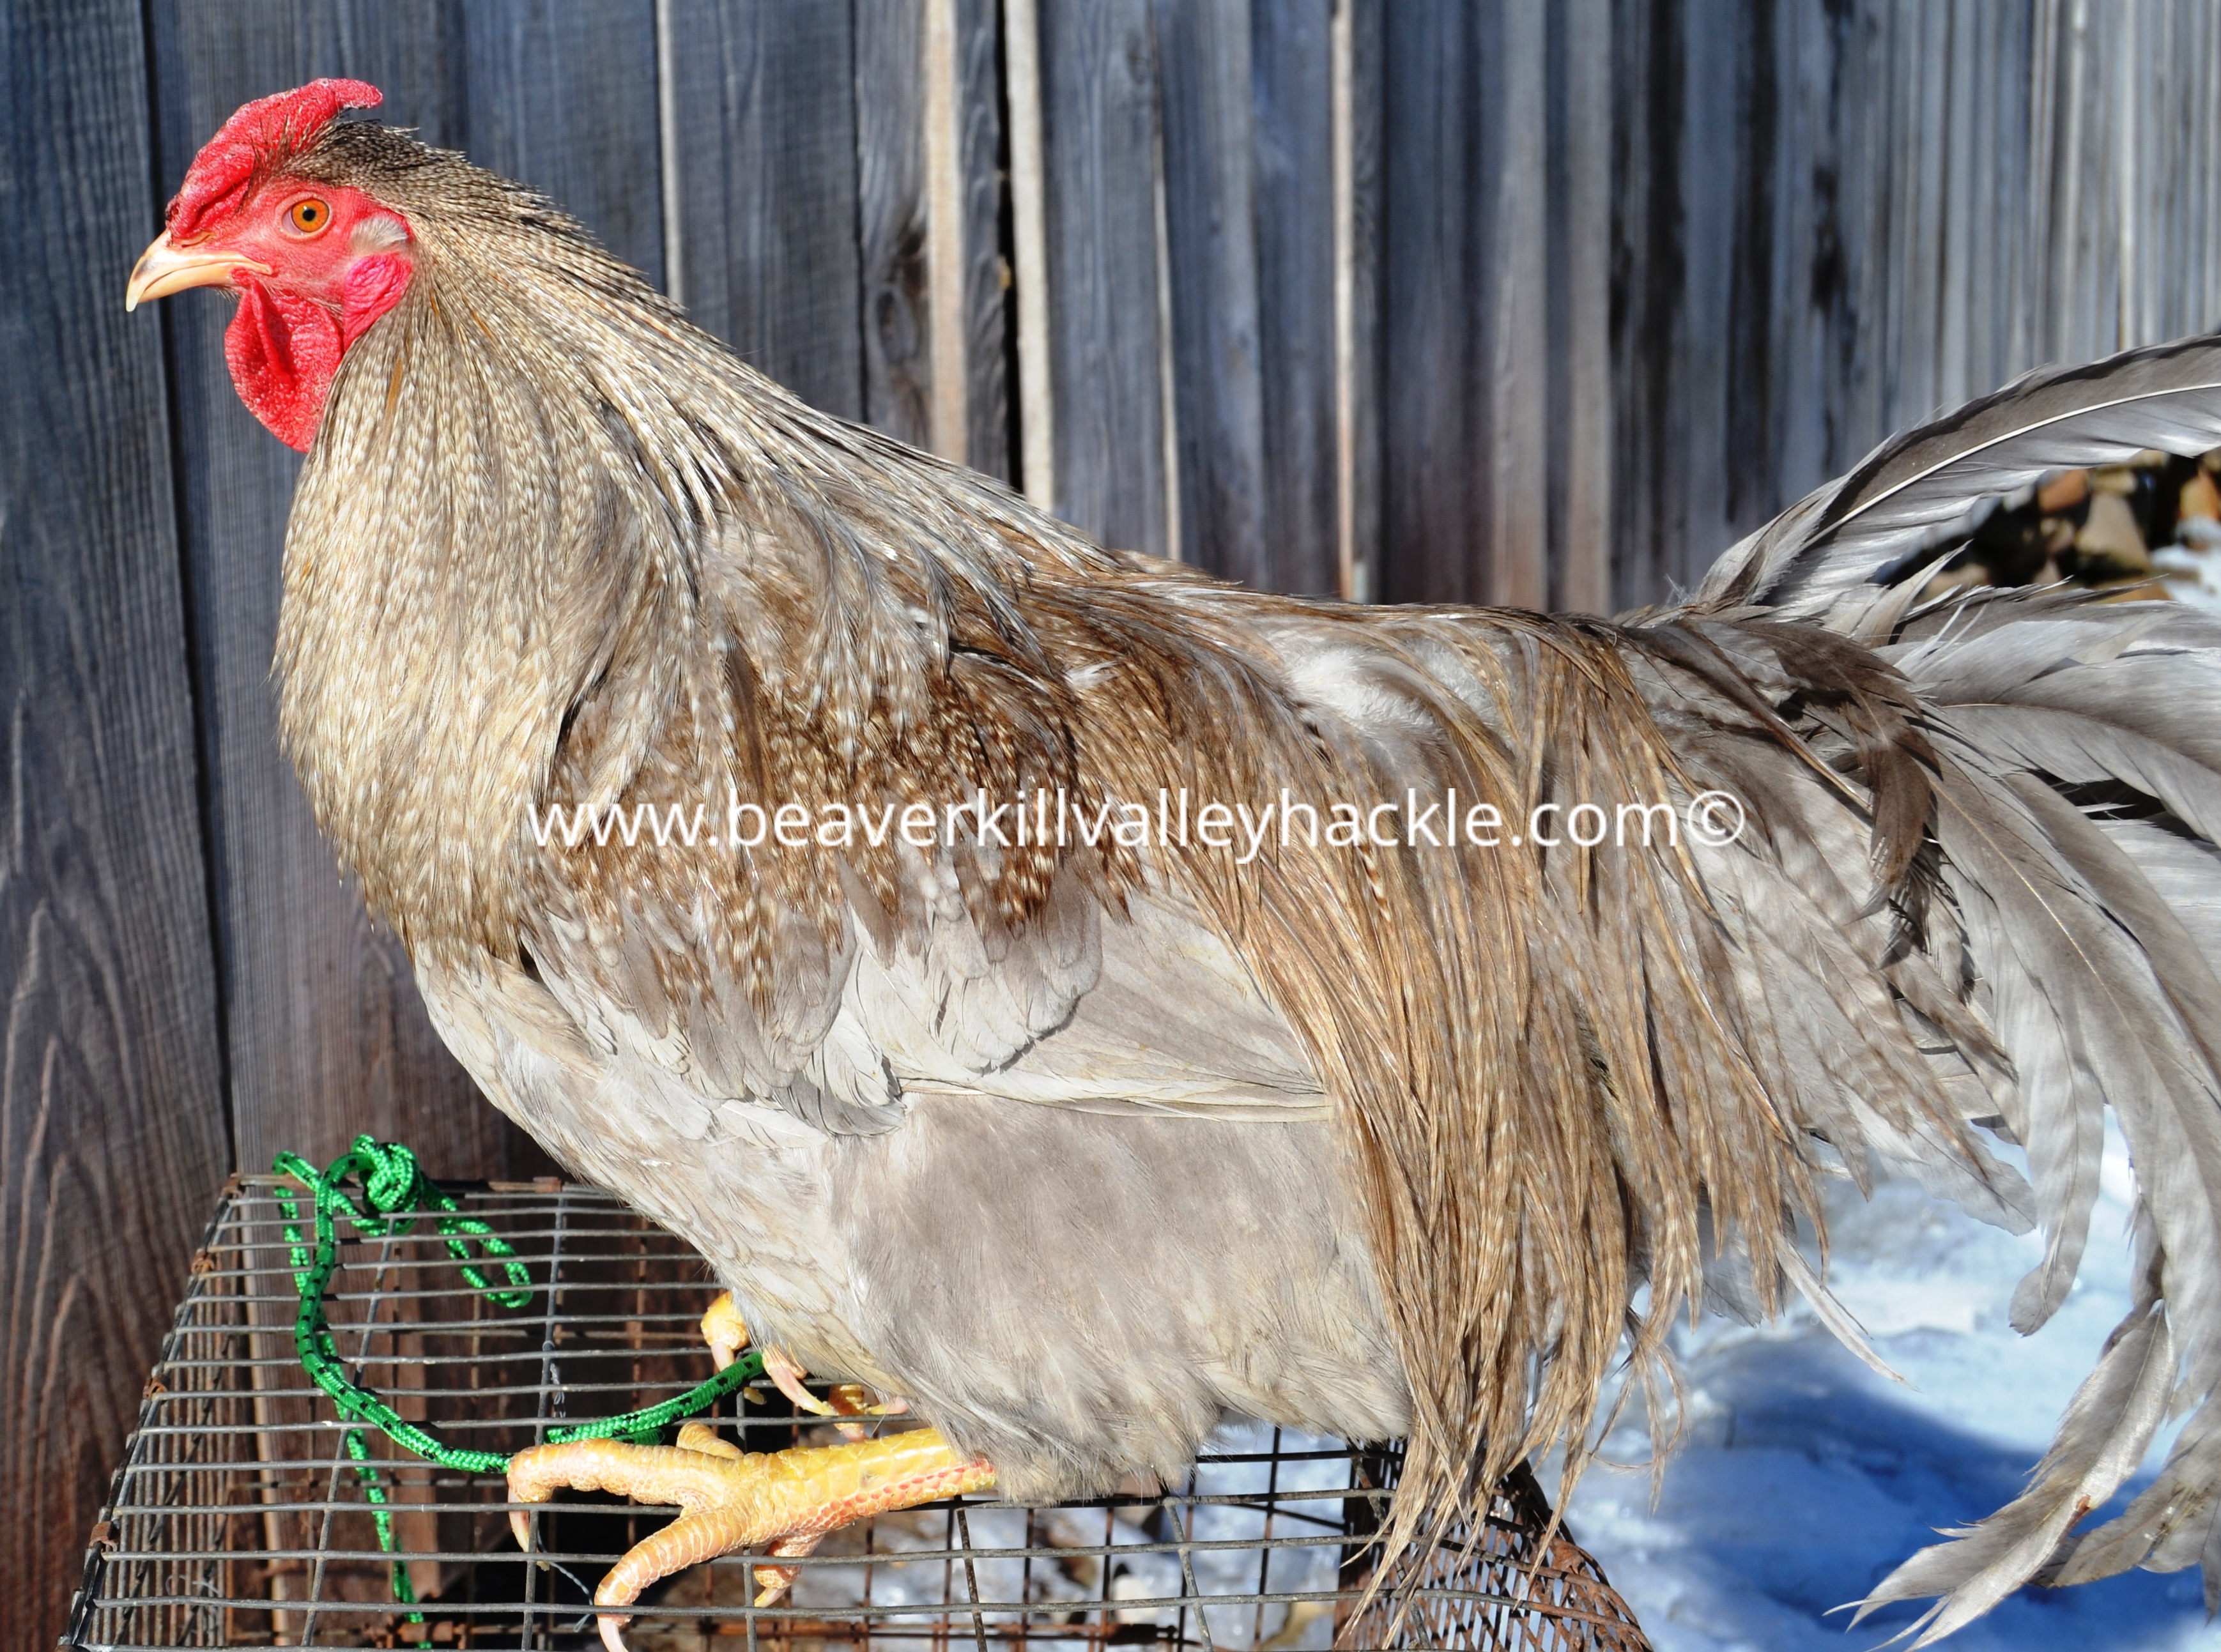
787	1376
727	1333
773	1581
700	1437
854	1399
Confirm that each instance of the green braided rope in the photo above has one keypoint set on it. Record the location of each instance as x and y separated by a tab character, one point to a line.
374	1492
396	1192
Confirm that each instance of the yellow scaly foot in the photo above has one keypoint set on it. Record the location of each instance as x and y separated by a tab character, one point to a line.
783	1501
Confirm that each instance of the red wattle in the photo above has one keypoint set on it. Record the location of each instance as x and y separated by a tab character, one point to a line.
283	351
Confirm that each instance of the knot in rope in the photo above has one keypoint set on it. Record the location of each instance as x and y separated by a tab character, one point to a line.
390	1178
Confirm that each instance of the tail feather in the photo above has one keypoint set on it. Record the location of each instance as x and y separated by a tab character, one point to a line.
2101	985
1930	484
2068	791
2102	1438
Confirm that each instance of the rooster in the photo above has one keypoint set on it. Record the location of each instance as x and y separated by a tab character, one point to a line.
1074	1134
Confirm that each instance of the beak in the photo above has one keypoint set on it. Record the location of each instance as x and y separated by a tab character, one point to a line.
163	269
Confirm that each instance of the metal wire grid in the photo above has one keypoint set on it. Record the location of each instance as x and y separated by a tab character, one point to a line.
239	1519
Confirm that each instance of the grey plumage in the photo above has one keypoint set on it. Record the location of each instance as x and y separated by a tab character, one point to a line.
1082	1147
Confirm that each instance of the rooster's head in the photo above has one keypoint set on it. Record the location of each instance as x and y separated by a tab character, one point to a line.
314	261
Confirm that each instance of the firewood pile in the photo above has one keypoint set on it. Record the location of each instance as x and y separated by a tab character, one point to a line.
2150	527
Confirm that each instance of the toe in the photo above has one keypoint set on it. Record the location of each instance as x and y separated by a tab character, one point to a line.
700	1437
773	1581
724	1330
787	1376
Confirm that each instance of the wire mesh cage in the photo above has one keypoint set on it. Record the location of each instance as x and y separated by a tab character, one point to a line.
243	1517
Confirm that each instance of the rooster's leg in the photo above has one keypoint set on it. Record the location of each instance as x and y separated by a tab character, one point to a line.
785	1501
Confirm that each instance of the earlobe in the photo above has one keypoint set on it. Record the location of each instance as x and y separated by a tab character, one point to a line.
283	351
373	285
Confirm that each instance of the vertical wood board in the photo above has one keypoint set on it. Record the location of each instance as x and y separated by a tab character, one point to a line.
1291	70
1358	360
891	219
1210	212
765	106
1099	116
989	313
112	1137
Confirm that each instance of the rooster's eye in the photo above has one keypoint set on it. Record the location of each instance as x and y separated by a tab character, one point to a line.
307	216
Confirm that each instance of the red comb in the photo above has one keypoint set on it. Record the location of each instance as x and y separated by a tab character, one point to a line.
261	135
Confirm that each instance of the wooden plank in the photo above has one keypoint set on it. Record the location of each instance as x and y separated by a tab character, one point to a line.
1438	295
990	316
563	97
2070	299
969	279
1359	94
1427	506
968	204
1291	54
1957	80
891	218
1919	243
2033	246
112	1134
1210	221
1098	95
1582	545
1749	453
1168	369
327	1036
1646	223
1716	170
1036	404
765	107
1467	316
941	143
1519	409
1789	304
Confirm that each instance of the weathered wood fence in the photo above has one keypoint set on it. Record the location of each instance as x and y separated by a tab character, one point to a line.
1442	300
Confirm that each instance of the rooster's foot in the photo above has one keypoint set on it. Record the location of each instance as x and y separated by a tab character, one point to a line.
732	1500
786	1501
724	1330
727	1333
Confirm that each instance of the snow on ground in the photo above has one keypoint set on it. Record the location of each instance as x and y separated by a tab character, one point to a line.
1806	1478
